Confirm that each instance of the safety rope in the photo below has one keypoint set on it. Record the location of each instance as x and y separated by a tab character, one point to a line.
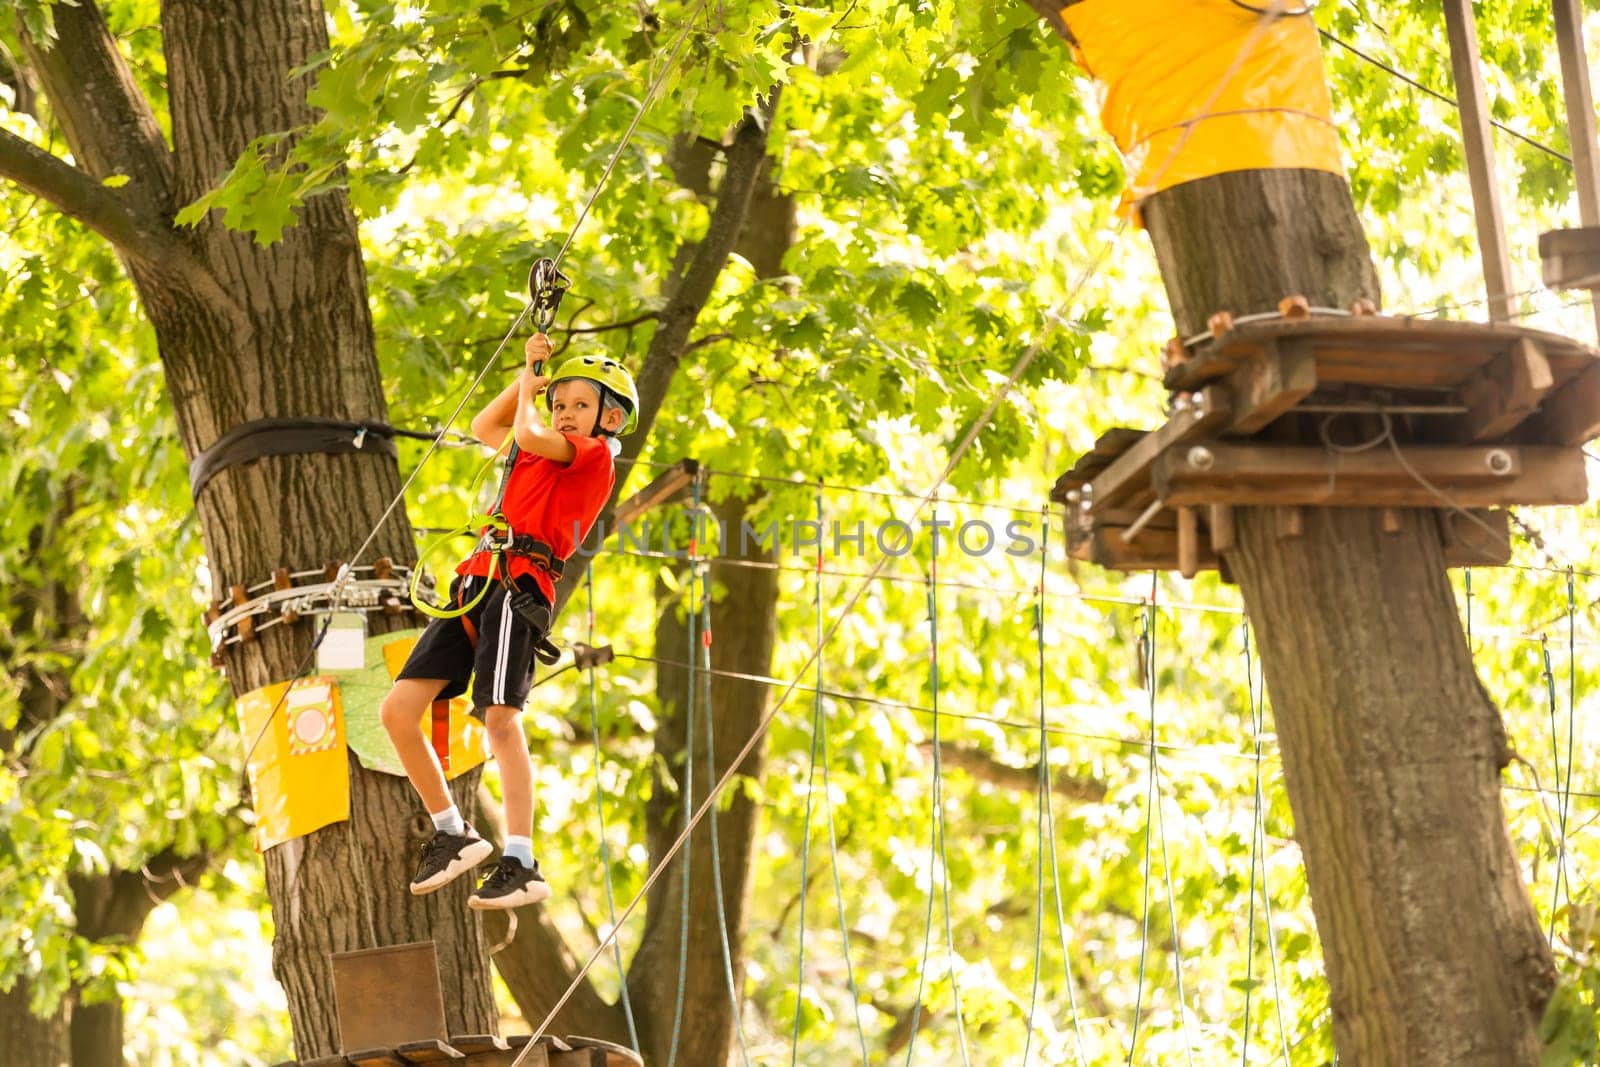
1258	847
1052	323
1045	832
702	573
938	861
692	658
819	751
1155	825
600	817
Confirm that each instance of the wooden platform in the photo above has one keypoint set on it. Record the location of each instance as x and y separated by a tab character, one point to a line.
1360	411
481	1050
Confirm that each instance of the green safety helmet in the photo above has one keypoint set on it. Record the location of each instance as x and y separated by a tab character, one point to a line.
609	376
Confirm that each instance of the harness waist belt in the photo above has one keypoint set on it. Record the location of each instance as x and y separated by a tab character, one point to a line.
528	547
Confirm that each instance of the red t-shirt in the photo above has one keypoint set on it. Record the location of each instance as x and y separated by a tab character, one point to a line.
554	502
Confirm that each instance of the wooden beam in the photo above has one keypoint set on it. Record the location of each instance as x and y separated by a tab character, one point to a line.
1507	391
661	489
1223	535
1152	550
1188	542
1572	414
1301	475
1570	259
1580	115
1478	143
1123	479
1270	385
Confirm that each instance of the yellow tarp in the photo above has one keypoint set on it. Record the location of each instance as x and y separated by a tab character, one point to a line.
298	773
1160	63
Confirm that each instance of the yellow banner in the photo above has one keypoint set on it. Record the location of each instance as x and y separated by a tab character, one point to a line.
298	773
1193	88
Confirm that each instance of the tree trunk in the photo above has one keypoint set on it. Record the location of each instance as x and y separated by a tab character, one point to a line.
744	629
247	332
29	1040
1391	750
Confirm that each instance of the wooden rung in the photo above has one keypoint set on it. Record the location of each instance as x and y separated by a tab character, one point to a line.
383	568
1269	386
1506	391
281	580
1126	474
1214	472
430	1051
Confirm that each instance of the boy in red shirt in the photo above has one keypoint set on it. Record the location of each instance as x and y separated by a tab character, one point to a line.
561	476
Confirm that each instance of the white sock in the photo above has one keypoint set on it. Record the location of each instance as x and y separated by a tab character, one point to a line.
449	821
520	849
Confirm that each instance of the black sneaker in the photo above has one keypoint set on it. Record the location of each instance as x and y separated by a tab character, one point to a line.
445	857
510	885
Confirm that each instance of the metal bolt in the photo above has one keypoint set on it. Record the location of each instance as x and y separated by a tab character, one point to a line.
1498	460
1201	458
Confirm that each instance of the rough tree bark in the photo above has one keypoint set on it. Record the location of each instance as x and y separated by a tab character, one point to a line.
744	630
247	332
1392	751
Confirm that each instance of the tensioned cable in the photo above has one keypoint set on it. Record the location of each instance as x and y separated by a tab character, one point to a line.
1258	846
1045	832
1450	100
983	420
938	859
600	815
701	573
690	628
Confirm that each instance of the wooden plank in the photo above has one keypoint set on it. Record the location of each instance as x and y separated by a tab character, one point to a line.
1478	143
1299	475
1507	391
472	1044
1152	550
1127	474
1266	388
661	489
431	1051
1572	414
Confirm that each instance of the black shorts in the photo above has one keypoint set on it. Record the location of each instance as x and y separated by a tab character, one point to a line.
500	666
